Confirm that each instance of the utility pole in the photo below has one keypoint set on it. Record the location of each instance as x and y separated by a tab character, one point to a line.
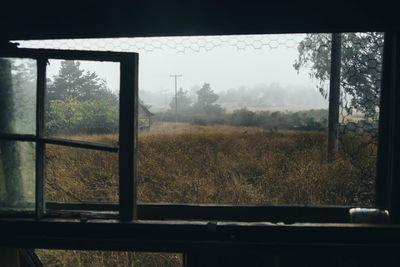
176	94
334	97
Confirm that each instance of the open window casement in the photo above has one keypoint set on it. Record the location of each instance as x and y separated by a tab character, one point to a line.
25	138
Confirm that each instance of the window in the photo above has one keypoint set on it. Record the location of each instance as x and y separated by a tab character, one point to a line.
171	226
275	151
27	137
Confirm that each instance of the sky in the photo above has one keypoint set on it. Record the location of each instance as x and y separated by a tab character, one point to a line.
224	62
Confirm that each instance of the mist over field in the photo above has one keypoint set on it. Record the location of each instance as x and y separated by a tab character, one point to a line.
272	97
251	71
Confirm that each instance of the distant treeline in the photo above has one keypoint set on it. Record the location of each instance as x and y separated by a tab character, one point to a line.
315	119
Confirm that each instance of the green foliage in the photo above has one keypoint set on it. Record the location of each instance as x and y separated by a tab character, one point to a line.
72	81
184	101
361	67
243	117
203	112
315	120
72	116
205	97
80	102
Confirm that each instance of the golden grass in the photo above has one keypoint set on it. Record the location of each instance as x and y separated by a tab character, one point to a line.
236	165
180	163
76	258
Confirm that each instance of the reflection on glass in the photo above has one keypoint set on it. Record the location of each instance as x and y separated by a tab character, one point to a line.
17	95
17	176
81	175
82	100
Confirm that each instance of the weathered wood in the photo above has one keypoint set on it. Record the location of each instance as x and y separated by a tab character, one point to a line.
40	145
173	18
387	107
60	141
80	144
144	117
183	236
128	130
243	213
64	54
388	181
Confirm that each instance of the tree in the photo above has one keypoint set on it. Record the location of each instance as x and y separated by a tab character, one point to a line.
10	154
80	102
361	65
71	116
74	82
205	97
18	110
184	101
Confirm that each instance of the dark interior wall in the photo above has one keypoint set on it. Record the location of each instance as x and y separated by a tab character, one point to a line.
87	19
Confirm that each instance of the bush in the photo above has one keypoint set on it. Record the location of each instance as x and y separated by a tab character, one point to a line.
81	117
199	121
310	120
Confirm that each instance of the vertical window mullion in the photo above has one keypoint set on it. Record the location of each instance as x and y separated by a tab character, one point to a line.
385	135
40	145
388	182
128	125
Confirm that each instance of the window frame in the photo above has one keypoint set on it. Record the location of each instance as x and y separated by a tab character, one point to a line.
272	213
128	123
152	232
128	207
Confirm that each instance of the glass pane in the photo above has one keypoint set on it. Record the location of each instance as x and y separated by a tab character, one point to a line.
80	258
83	100
81	175
17	96
17	176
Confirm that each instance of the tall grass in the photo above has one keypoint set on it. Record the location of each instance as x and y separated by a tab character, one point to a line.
232	165
211	164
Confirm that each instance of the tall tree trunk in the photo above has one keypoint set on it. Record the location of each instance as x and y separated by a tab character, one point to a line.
334	97
10	152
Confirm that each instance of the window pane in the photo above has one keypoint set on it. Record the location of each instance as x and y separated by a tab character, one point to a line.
80	258
83	100
81	175
17	95
17	176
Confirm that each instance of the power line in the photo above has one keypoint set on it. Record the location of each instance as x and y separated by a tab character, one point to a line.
176	76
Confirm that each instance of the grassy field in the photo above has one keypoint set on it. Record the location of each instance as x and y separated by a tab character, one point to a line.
181	163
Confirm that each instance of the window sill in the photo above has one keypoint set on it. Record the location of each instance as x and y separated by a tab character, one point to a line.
182	236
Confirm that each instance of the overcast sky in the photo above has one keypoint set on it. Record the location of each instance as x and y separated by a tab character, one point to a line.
224	62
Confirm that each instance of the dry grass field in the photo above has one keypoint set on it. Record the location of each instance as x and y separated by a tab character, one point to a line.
181	163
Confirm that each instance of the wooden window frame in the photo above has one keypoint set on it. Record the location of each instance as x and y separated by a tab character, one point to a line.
128	111
182	228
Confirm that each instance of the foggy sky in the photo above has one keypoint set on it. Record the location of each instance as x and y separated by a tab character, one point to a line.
229	64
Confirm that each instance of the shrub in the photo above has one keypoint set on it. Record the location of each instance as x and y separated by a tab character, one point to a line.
81	117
